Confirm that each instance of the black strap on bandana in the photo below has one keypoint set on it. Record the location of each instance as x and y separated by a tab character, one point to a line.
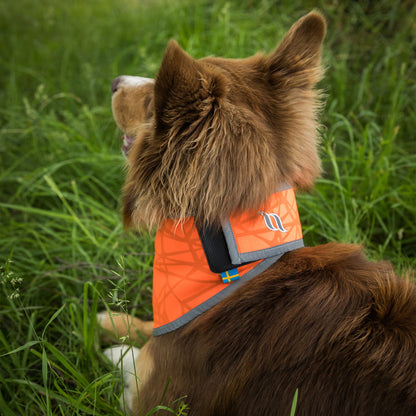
216	250
221	244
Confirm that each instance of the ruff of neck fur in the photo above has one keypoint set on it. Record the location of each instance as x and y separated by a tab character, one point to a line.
184	285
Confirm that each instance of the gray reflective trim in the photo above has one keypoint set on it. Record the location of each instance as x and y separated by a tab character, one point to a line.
283	187
230	288
231	243
239	258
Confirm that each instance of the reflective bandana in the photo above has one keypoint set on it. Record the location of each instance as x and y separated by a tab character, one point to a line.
184	283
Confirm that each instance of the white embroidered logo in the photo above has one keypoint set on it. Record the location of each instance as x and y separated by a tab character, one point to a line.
275	225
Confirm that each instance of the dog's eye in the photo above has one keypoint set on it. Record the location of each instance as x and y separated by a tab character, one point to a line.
149	114
148	105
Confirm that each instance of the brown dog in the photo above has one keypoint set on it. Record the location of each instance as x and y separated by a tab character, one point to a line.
211	140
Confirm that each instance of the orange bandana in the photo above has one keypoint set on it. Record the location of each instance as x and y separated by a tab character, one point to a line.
184	285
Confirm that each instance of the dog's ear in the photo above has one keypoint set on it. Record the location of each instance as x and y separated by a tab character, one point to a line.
185	90
297	59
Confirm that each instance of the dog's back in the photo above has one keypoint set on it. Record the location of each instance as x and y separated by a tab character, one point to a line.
322	320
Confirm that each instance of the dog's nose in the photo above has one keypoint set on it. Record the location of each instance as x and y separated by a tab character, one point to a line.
115	84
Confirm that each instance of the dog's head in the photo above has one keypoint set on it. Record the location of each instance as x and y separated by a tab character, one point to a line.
215	136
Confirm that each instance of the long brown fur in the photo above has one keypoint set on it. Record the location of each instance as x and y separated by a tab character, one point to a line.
212	116
324	320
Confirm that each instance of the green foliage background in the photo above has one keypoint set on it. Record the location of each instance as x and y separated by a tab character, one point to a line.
63	253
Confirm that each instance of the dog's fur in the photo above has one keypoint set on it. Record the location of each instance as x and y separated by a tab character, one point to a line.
216	136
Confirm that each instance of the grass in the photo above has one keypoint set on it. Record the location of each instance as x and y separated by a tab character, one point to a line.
63	253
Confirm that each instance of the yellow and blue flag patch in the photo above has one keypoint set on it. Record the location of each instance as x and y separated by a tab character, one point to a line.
230	275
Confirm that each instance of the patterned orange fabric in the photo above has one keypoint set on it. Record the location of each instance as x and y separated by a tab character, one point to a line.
182	279
251	233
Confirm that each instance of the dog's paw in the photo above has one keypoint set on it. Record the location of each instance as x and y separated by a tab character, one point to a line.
115	326
122	326
102	318
107	325
124	358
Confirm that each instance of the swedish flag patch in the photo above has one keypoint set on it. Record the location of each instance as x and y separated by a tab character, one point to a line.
230	275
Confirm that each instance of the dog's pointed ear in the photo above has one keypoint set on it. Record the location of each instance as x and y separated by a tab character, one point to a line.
297	59
185	89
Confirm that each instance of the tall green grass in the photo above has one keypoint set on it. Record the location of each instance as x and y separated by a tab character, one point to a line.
63	253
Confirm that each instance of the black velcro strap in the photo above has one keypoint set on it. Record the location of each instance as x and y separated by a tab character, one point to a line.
216	250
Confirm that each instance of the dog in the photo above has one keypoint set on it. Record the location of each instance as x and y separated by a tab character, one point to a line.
244	314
